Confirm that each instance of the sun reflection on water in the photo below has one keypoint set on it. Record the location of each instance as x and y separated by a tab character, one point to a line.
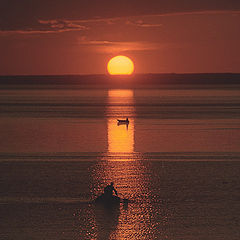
123	166
120	155
120	136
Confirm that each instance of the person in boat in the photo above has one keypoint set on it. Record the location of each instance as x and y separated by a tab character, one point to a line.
109	189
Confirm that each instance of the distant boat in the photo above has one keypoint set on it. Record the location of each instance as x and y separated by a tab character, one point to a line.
123	121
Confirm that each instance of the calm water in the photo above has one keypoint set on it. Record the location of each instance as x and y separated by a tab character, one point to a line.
177	160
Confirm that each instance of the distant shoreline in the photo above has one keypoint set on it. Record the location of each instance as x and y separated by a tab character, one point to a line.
133	80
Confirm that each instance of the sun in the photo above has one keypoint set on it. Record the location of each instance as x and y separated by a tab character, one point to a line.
120	65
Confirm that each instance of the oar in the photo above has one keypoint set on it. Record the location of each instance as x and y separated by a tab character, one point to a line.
124	200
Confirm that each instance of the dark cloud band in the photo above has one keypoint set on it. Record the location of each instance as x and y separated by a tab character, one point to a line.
24	15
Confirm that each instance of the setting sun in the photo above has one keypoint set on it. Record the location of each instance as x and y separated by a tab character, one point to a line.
120	65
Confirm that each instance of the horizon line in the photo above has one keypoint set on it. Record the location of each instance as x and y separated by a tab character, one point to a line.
106	74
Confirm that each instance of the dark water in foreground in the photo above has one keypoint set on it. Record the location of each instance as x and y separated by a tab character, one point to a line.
177	160
172	200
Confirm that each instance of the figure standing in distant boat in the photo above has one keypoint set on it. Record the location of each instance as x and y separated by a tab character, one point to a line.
108	190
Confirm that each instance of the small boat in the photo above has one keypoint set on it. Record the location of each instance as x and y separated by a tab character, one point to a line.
123	121
108	201
112	201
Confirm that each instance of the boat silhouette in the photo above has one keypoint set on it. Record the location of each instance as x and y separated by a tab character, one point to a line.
123	121
110	201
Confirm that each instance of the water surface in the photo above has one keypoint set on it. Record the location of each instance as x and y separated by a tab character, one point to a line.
177	161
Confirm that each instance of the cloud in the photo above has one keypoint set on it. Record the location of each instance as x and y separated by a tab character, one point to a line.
67	24
142	24
118	47
24	14
49	26
202	12
63	25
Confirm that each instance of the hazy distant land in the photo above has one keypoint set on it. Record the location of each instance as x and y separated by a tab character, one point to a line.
119	81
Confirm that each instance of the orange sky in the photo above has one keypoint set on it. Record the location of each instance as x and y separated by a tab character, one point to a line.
79	37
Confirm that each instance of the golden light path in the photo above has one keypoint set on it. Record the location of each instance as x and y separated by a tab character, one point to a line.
120	65
121	165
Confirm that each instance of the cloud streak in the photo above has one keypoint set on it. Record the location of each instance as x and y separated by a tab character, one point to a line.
63	25
202	12
118	47
49	26
143	24
24	14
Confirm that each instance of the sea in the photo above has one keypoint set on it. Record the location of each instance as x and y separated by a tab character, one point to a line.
177	161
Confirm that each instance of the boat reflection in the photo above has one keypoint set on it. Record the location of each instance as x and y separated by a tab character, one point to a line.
107	221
